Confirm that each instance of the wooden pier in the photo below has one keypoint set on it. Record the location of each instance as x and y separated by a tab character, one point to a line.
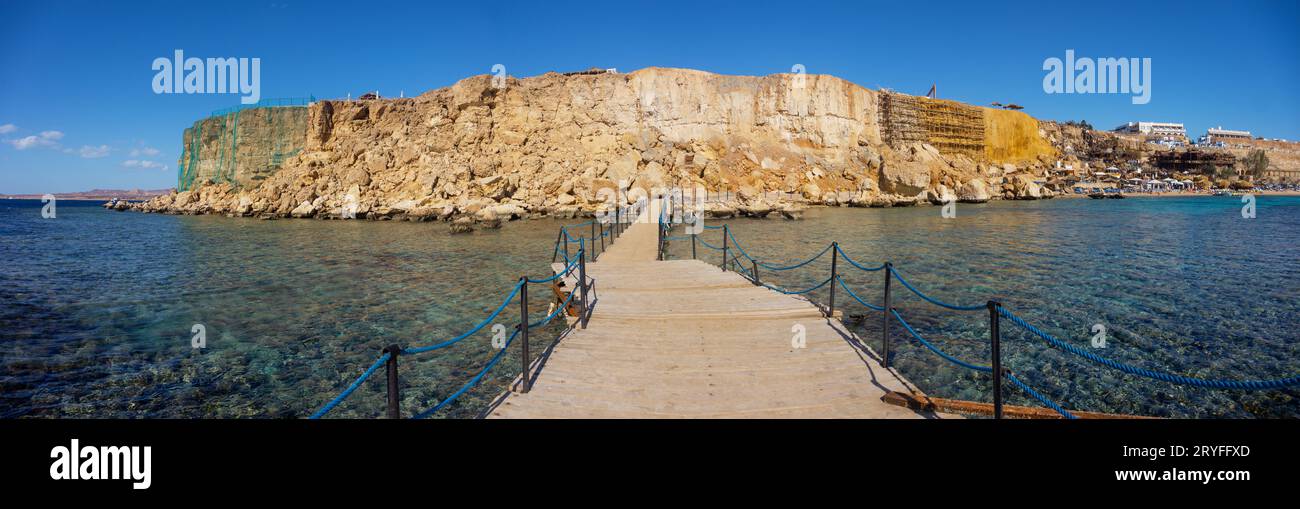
685	339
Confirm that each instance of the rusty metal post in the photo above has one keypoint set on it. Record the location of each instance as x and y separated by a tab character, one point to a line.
525	382
394	391
835	246
995	340
884	331
725	233
582	287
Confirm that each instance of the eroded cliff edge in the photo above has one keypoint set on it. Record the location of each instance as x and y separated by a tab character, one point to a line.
546	144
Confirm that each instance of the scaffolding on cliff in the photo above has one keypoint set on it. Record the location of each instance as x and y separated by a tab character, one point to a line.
224	140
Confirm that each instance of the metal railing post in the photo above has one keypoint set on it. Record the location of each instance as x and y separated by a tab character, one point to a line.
884	328
754	264
995	340
394	392
693	245
582	287
725	233
593	239
559	237
525	384
835	246
565	239
659	243
602	240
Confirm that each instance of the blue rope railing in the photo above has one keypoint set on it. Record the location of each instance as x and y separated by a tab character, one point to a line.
351	388
935	349
797	292
1155	375
476	328
1167	377
933	300
856	264
1041	399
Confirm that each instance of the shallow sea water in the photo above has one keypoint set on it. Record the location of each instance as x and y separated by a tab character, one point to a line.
96	307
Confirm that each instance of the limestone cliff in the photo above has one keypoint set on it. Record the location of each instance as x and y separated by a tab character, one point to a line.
544	145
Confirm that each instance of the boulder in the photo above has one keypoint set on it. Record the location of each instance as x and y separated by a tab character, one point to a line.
940	195
462	225
905	178
305	209
975	191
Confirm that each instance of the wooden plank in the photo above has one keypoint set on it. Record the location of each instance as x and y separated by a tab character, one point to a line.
684	339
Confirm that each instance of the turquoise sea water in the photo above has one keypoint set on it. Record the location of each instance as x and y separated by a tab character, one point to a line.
1182	285
96	307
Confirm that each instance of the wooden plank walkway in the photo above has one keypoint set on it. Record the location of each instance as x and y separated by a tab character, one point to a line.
670	339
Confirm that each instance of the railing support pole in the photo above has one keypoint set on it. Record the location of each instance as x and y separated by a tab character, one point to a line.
593	239
565	239
659	255
754	264
559	237
525	382
995	340
884	327
394	391
602	240
725	233
582	287
693	245
835	246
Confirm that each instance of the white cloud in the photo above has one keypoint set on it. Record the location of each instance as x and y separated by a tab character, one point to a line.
145	164
90	152
46	139
146	151
24	143
8	128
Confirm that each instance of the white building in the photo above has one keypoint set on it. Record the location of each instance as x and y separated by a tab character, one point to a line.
1217	134
1156	129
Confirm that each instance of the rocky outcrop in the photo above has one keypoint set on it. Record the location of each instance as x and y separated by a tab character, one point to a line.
565	145
975	191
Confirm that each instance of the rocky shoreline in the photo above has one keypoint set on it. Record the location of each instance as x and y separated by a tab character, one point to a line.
566	145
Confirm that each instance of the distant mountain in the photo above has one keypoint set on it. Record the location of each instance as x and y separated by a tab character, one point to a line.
97	194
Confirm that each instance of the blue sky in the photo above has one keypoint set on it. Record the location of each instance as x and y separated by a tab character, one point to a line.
77	110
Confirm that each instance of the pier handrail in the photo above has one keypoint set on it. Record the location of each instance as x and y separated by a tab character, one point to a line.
577	264
996	312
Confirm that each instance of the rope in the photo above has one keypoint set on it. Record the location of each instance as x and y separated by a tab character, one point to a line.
504	303
800	292
933	300
472	381
572	265
348	392
797	265
1134	370
708	245
941	353
856	264
1041	399
855	296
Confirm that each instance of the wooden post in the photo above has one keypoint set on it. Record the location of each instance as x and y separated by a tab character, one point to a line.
754	265
394	391
995	334
525	383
